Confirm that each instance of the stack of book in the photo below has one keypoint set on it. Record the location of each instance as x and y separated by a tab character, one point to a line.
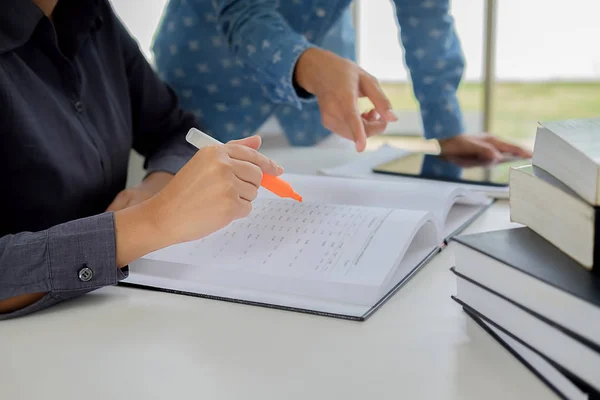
536	288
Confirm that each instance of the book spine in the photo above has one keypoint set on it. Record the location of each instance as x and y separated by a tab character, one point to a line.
596	260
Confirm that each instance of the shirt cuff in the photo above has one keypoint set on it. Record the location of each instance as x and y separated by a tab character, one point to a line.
82	255
65	261
442	120
301	95
171	159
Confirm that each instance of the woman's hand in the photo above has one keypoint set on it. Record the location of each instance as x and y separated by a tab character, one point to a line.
338	83
151	185
216	187
482	147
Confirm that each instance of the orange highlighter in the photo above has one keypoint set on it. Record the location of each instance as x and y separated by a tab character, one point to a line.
272	183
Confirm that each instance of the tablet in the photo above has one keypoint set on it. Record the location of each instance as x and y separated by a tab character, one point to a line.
457	169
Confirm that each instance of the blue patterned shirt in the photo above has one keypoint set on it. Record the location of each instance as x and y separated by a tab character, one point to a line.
232	61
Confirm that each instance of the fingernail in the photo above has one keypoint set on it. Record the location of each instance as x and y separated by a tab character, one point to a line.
391	116
279	169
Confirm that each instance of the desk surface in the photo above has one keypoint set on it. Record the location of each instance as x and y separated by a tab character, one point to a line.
122	343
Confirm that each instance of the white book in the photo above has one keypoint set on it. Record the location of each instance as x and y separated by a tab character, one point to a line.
342	252
550	208
570	150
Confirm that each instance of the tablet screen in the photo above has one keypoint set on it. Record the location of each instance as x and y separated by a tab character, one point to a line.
462	170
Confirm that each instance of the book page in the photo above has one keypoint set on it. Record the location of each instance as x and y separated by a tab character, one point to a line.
415	195
418	251
283	242
313	240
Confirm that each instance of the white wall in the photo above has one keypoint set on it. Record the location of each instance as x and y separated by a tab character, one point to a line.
537	39
142	18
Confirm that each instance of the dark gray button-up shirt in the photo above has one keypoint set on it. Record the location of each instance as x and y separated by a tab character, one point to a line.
75	96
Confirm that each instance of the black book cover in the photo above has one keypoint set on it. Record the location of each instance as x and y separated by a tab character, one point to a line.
592	394
585	341
526	251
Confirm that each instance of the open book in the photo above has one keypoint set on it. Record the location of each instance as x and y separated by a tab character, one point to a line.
342	252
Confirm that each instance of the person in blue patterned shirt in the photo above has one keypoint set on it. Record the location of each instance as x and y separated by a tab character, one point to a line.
237	63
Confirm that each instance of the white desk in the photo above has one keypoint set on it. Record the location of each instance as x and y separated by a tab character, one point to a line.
120	343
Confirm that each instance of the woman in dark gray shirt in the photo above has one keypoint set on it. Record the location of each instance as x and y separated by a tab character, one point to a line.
76	95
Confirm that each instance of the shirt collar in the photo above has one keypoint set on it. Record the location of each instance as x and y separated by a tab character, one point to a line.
23	16
17	23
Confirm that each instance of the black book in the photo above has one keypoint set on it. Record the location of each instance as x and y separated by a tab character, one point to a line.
524	267
561	382
531	330
522	283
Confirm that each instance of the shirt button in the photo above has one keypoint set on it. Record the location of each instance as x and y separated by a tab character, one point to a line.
78	106
85	274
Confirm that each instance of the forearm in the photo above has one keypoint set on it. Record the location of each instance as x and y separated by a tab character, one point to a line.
155	181
47	266
434	57
259	35
136	233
